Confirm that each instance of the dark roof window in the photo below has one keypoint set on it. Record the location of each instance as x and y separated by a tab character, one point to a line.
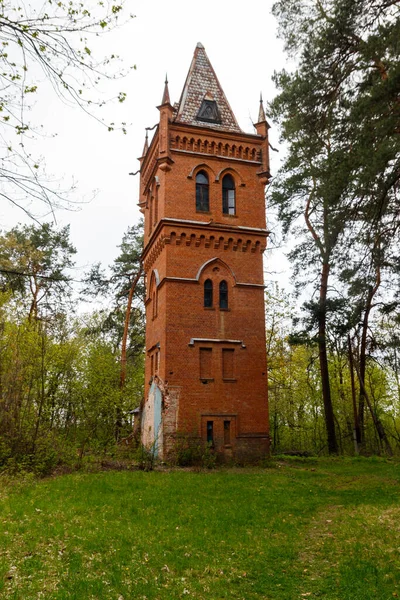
209	112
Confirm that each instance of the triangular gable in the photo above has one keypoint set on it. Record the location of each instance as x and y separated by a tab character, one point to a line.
203	101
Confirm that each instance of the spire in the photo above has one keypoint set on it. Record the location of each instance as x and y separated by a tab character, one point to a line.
261	112
165	98
146	144
203	102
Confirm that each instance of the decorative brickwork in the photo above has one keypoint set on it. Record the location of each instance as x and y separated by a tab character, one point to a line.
205	331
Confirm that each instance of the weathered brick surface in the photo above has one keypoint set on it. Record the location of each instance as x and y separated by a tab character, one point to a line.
183	248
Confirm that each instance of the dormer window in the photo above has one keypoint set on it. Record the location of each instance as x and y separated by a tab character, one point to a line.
228	195
202	195
209	112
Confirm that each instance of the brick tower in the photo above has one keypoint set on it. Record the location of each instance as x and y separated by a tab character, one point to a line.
202	195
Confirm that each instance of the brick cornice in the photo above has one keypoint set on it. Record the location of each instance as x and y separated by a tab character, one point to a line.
211	227
216	133
197	233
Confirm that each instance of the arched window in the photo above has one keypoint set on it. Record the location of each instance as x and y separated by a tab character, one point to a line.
223	294
208	293
202	199
228	195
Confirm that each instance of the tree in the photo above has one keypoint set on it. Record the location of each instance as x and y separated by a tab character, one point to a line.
33	264
339	112
126	318
57	41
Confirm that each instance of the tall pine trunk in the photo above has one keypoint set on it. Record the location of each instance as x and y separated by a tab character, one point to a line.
323	361
122	376
363	350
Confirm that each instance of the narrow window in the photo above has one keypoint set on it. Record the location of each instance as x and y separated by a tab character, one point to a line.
156	207
228	195
210	432
152	365
228	366
151	212
155	304
202	198
205	363
227	433
208	293
223	294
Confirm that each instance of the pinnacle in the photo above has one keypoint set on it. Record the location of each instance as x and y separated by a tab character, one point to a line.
165	98
261	112
146	144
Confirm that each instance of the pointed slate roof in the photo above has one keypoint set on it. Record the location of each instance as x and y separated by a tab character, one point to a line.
203	102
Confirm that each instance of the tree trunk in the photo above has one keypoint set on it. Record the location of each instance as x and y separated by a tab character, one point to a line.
122	377
126	327
323	361
357	429
380	430
363	352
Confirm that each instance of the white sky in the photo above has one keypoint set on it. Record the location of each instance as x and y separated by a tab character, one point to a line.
241	43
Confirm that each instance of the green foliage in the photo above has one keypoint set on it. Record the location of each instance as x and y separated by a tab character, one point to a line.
296	418
337	189
123	272
33	264
188	452
59	395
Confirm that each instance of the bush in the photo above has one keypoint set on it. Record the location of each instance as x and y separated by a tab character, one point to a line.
188	452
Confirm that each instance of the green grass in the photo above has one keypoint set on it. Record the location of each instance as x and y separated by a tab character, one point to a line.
303	529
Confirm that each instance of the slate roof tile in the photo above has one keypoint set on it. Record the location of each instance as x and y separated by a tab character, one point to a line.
202	81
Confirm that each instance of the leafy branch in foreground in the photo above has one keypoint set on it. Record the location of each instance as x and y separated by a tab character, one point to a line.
56	46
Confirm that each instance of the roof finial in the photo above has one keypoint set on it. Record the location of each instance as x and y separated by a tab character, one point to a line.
261	112
146	144
165	98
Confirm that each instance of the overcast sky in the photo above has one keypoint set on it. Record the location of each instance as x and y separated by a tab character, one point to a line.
241	42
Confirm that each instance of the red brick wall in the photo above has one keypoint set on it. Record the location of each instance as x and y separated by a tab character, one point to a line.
180	253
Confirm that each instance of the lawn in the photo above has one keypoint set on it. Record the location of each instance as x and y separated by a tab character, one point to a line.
299	529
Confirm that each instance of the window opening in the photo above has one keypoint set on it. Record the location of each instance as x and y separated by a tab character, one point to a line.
208	293
223	294
202	192
227	433
155	304
156	207
209	112
151	212
228	195
210	432
205	363
228	366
